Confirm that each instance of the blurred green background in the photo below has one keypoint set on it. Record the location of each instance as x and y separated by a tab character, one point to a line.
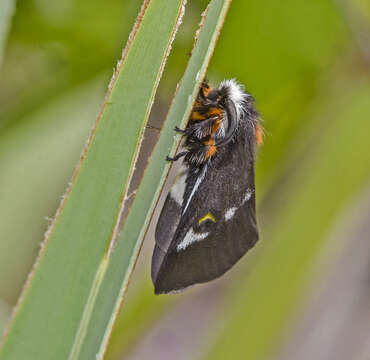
306	62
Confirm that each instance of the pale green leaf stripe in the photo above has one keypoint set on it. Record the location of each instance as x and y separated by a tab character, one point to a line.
51	311
125	253
264	305
7	8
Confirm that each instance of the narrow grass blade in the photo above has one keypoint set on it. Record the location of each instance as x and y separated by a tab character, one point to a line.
7	8
53	314
49	140
125	253
333	170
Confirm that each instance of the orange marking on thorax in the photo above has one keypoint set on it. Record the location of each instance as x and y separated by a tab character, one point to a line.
215	127
259	134
214	111
212	149
210	142
197	117
206	90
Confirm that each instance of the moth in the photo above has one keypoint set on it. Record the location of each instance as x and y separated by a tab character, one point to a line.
208	221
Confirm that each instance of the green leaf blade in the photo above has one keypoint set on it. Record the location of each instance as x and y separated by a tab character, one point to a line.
51	309
130	240
7	8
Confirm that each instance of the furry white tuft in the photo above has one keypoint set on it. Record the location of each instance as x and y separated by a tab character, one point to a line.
236	93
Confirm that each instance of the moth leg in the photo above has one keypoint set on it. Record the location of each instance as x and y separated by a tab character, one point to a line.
201	152
200	129
186	132
177	157
181	131
205	128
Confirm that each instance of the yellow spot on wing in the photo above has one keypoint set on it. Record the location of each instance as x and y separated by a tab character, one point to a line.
207	216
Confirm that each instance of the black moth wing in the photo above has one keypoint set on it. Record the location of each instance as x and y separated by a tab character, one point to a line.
188	251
